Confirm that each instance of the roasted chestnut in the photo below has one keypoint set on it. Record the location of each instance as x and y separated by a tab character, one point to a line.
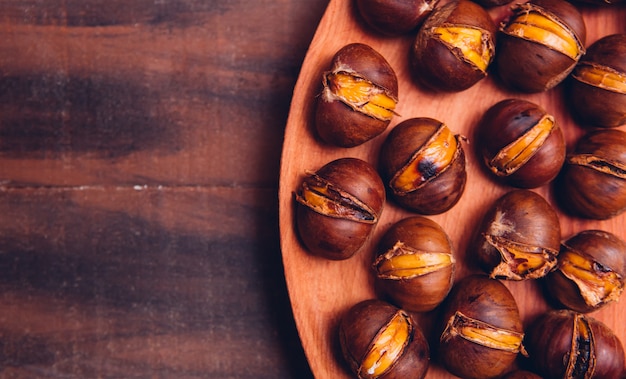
591	271
521	374
359	95
539	45
395	17
519	237
593	181
567	344
414	265
338	207
492	3
423	165
379	340
598	91
483	332
454	47
521	144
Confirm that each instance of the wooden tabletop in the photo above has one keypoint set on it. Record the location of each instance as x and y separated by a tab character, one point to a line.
140	149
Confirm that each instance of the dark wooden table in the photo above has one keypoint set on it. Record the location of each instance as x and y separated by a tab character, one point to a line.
140	148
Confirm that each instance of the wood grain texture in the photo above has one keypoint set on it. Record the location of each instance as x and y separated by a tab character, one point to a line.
322	290
139	156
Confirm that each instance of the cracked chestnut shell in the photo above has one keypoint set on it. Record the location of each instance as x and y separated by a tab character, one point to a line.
598	91
338	207
359	95
540	44
590	272
423	165
521	144
519	237
414	264
379	340
483	332
593	182
567	344
454	47
395	17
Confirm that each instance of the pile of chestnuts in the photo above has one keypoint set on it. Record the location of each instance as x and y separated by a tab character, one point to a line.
421	168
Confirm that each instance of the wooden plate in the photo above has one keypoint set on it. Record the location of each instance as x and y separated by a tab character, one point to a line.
321	290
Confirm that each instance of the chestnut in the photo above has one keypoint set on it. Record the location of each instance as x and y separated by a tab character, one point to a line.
521	144
379	340
359	95
414	265
338	207
593	182
519	237
591	271
483	332
454	47
521	374
598	91
423	165
540	44
567	344
394	17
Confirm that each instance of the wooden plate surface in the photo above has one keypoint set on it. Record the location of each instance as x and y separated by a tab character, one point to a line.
321	290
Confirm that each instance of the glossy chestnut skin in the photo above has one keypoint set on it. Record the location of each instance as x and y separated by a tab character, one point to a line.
593	181
508	122
440	65
558	335
597	254
595	102
394	17
519	237
521	374
333	235
359	328
491	305
337	121
422	288
443	183
533	66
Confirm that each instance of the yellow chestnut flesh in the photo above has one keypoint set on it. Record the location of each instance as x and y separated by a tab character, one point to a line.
361	95
483	334
386	347
519	260
541	28
472	42
598	283
323	198
437	154
601	76
514	155
404	262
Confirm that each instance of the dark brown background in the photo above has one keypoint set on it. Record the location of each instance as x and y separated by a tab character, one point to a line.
140	147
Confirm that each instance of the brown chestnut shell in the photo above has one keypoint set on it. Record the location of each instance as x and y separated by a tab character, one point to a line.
394	17
487	305
521	144
330	231
591	271
359	328
410	147
593	181
422	283
532	66
441	63
519	237
598	91
567	344
344	123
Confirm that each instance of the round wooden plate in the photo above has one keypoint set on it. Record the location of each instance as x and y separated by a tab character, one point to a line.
321	290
